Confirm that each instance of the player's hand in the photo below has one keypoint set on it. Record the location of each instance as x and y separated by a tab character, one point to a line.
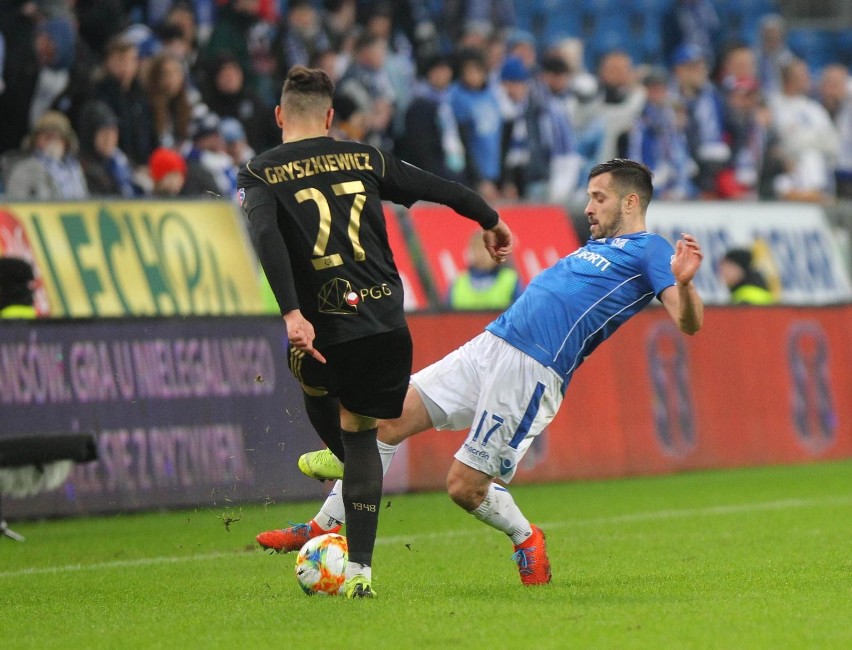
687	259
498	241
300	333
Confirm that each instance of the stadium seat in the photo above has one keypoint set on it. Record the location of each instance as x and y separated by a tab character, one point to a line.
553	20
658	7
844	47
818	47
614	31
601	6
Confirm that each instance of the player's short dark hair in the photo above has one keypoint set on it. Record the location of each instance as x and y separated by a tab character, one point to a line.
628	176
307	90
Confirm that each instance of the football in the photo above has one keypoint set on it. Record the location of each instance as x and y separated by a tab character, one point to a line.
321	565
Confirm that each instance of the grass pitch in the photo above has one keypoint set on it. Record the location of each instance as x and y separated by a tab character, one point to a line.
752	558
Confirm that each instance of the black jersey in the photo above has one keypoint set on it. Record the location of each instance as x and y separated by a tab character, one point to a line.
316	220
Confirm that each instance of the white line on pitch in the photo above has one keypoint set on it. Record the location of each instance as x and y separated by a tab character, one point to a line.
785	504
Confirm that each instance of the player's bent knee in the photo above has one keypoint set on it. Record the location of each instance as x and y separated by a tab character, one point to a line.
463	492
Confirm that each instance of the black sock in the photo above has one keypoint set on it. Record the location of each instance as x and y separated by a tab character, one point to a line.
324	415
362	493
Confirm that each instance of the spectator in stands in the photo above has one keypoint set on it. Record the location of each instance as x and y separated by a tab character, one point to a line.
746	284
17	289
520	43
303	35
430	138
208	151
539	161
582	102
756	158
171	175
107	170
455	19
554	82
350	121
367	82
167	169
619	101
170	38
658	139
240	32
738	63
339	21
704	117
147	45
55	44
692	22
555	85
18	27
332	62
836	98
477	111
182	28
171	100
99	21
807	136
484	284
51	171
234	138
772	53
228	96
399	62
121	89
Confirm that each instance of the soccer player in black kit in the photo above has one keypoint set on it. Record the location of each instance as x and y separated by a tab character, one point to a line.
314	206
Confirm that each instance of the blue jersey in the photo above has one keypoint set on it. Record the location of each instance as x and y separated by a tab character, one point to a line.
572	307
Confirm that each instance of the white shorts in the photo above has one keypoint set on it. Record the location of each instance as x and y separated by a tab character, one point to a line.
503	396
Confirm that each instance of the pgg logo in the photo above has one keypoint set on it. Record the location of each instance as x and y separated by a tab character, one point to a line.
376	292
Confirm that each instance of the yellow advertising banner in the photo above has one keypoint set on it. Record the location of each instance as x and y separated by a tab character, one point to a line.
134	258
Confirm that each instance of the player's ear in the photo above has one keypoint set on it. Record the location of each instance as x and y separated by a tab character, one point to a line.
279	118
329	116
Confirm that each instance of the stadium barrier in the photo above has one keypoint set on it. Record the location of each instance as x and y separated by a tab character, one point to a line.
756	386
134	258
187	411
158	258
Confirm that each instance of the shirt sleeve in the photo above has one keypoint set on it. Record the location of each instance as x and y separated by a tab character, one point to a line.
658	265
406	184
261	208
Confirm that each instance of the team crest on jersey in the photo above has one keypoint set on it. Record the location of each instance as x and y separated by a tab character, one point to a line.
337	297
619	242
241	195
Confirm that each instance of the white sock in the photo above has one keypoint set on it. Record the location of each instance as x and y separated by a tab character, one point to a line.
357	569
332	513
499	511
386	451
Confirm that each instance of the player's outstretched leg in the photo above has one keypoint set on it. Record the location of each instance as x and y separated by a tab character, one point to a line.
492	504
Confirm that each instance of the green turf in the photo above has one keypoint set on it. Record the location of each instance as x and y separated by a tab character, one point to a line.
753	558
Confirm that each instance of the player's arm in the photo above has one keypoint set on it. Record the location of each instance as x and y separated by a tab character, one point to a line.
262	211
406	184
682	301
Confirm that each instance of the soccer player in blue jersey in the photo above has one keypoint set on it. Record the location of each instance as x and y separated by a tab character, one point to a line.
507	384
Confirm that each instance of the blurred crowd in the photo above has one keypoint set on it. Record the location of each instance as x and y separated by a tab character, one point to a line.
155	98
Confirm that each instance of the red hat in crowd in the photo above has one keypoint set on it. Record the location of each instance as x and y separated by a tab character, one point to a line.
164	161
